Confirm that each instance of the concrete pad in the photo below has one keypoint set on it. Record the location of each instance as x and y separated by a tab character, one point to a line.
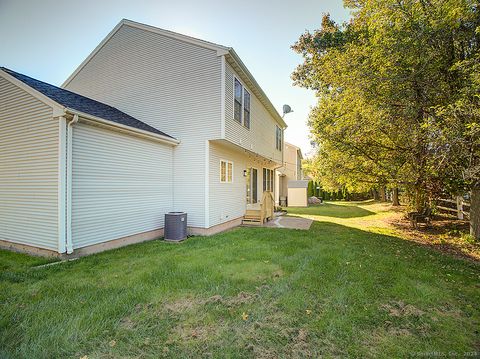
289	222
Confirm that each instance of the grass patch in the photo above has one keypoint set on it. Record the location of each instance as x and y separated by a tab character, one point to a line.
342	288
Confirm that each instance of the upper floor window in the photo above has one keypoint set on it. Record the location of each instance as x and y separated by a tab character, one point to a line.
238	101
278	138
226	171
246	109
241	106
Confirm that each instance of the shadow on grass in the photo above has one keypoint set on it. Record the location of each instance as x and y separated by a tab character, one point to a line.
331	210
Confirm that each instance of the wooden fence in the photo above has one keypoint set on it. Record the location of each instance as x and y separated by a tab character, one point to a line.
459	207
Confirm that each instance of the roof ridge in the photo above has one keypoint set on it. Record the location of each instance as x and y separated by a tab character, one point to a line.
173	33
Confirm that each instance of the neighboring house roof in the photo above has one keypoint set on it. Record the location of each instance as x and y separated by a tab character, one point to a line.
229	53
298	184
83	104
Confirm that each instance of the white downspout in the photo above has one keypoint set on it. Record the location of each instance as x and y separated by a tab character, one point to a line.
280	166
69	242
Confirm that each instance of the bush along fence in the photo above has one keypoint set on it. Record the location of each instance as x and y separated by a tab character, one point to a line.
315	190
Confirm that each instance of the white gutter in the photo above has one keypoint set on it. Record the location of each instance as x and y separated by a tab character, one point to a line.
142	133
69	241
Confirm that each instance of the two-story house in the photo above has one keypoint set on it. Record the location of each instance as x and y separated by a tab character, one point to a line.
152	121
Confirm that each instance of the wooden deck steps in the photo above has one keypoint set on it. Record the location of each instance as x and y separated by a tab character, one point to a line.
259	215
253	217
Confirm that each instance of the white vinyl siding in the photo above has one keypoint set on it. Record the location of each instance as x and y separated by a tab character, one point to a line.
171	85
122	185
28	169
260	136
228	202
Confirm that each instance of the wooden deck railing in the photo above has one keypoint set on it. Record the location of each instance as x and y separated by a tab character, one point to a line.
267	205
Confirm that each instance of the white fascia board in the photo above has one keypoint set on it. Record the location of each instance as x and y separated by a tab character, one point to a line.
176	35
84	117
58	110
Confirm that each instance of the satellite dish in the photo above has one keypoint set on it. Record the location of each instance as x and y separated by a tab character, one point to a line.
286	109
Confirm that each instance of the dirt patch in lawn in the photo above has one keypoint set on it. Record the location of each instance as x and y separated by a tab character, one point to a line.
400	309
183	305
300	347
187	304
187	332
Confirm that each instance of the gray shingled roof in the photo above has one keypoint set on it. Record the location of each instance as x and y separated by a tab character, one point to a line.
83	104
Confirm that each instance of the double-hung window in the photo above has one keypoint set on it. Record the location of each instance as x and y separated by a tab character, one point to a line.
278	138
226	171
238	101
241	106
267	180
246	108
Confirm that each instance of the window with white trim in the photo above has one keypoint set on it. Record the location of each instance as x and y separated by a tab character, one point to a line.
241	104
278	138
267	180
246	108
237	111
226	171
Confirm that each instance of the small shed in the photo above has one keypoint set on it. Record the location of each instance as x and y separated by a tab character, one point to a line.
297	193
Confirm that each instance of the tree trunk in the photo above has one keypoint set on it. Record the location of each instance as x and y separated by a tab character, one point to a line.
383	196
419	199
475	213
395	201
376	197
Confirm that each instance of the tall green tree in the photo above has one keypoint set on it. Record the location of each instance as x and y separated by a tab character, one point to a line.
385	83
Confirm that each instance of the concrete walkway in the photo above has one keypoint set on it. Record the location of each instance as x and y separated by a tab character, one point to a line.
289	222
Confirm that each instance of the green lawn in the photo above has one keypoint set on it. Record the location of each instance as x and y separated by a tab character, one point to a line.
341	289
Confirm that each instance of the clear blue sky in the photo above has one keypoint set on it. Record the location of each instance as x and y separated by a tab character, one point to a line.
48	39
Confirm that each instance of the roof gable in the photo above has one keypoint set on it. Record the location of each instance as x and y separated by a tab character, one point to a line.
226	51
83	104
